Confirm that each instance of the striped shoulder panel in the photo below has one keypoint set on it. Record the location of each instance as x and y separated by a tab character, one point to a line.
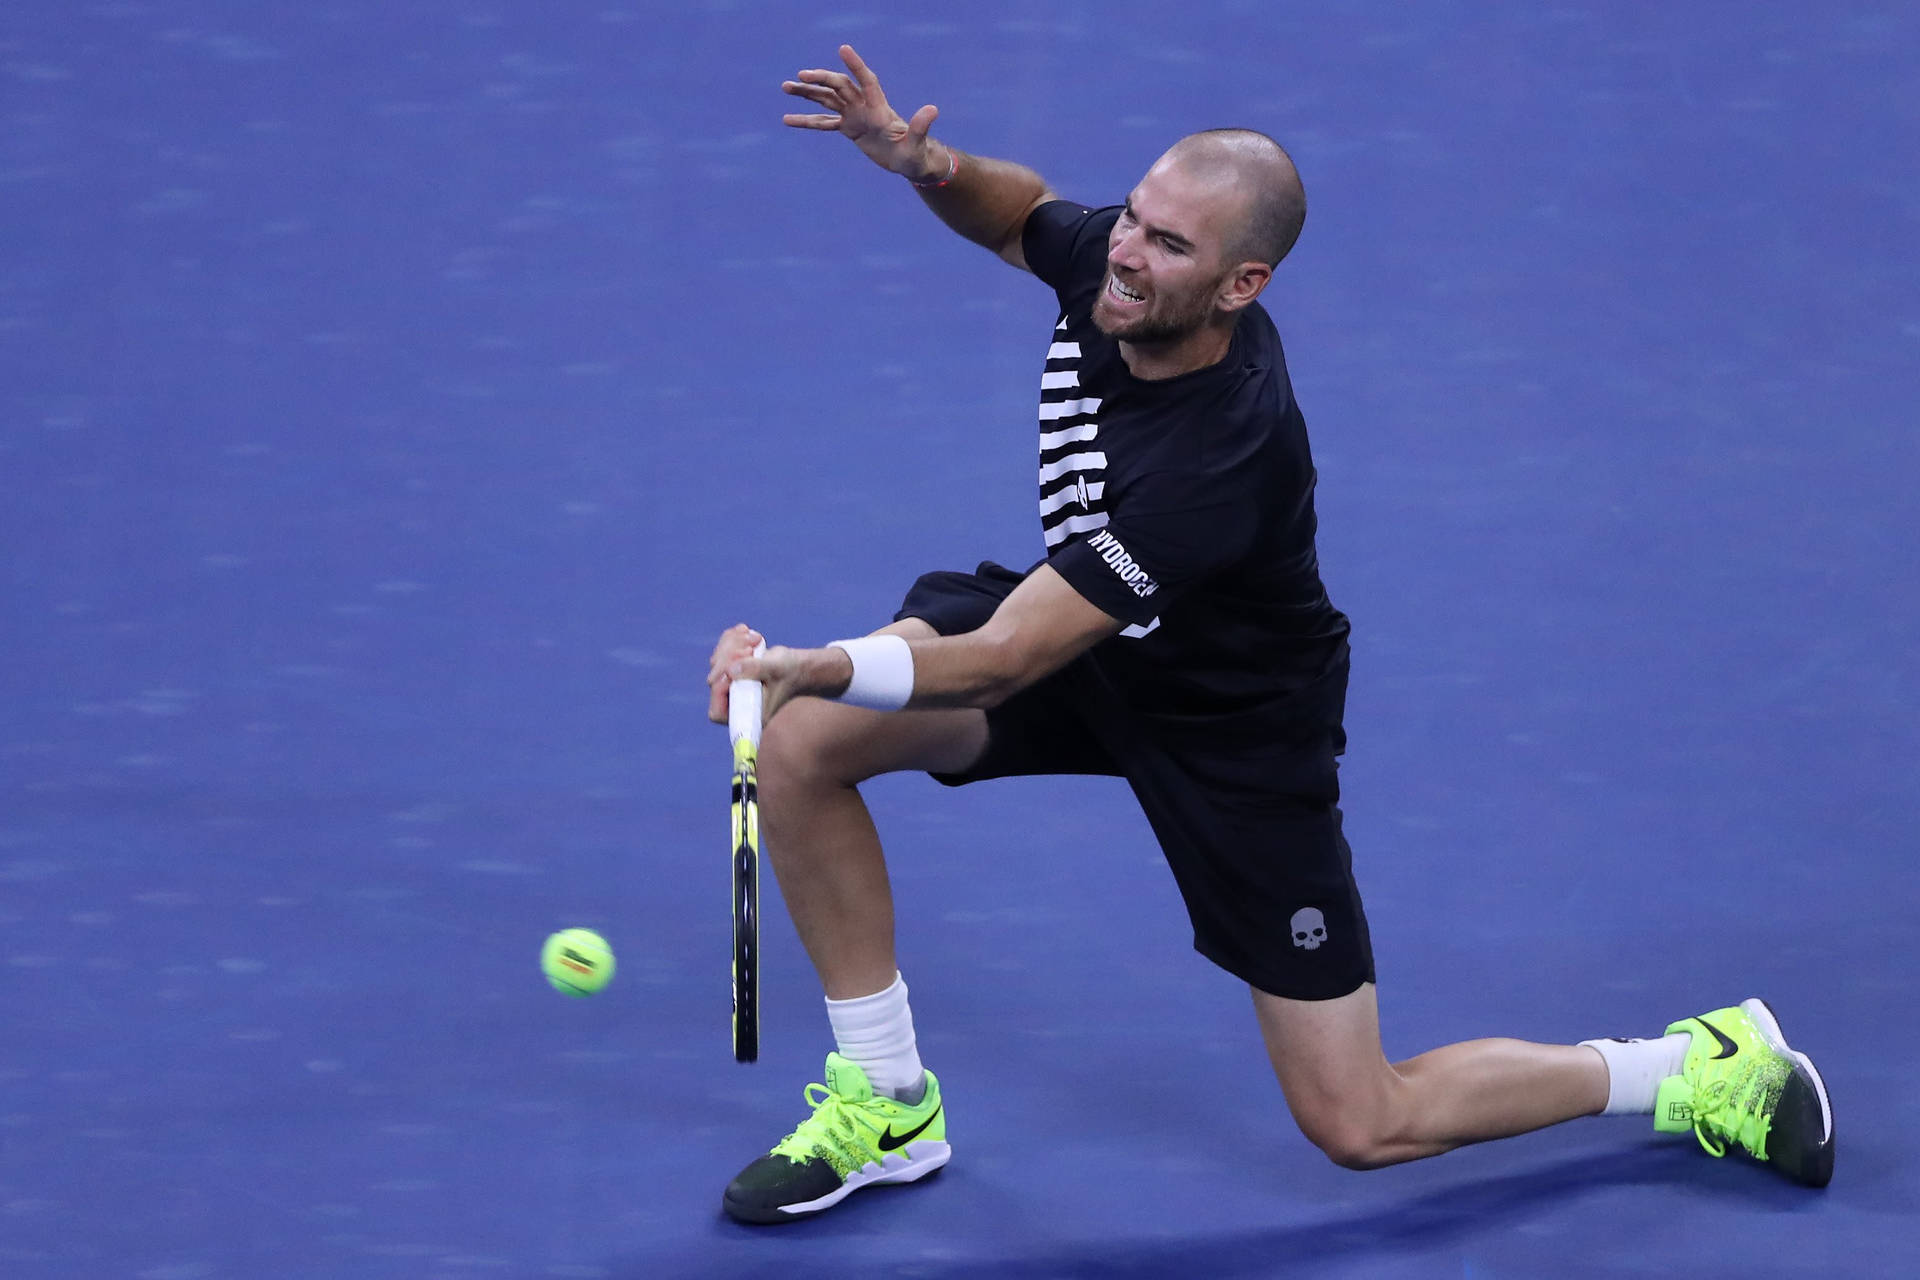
1072	466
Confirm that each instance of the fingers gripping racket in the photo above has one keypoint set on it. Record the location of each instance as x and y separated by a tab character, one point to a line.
743	729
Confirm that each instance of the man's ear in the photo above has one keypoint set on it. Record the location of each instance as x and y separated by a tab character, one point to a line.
1243	285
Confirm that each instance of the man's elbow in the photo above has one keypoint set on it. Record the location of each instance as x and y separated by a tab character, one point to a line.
992	695
1003	671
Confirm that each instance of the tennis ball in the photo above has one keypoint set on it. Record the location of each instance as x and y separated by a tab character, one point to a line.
578	962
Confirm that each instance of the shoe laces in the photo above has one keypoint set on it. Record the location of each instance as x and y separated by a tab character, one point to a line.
833	1132
1724	1110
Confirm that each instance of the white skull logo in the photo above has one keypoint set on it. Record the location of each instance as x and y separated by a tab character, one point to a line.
1309	928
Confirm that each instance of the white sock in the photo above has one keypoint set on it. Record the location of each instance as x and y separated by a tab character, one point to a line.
876	1032
1635	1069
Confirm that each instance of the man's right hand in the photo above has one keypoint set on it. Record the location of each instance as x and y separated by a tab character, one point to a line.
860	111
736	643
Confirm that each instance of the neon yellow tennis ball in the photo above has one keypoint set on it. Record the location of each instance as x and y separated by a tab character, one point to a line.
578	962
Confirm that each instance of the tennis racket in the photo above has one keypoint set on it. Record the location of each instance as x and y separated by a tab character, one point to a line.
743	730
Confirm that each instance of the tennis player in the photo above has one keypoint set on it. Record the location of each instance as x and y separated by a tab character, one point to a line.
1176	635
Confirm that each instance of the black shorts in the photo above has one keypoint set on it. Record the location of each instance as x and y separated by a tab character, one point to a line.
1245	806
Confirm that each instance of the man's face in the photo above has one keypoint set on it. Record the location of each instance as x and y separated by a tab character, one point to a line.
1164	266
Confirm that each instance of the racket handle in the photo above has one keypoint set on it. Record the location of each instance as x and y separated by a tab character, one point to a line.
743	707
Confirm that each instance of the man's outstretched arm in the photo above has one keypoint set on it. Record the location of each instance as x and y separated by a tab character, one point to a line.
1039	628
985	200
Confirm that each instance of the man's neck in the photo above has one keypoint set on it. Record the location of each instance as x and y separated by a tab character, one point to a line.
1158	361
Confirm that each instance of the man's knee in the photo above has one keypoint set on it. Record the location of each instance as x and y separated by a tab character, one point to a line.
801	746
815	742
1352	1141
1356	1125
1345	1096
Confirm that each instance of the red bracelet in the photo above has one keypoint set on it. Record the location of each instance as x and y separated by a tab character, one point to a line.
953	167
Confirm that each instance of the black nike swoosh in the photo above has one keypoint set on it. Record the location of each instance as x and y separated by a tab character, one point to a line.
890	1141
1727	1047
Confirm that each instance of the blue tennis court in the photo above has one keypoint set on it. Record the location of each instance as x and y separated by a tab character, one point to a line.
396	401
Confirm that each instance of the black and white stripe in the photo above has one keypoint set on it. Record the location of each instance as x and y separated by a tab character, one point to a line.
1072	467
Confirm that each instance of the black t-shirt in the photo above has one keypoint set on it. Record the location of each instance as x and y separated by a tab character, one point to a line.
1183	506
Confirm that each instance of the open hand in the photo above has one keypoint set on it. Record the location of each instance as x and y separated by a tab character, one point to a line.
860	111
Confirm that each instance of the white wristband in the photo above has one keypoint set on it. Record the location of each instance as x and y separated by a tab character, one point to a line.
882	672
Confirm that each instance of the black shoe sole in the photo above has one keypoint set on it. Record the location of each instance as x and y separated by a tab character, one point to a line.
1803	1115
771	1215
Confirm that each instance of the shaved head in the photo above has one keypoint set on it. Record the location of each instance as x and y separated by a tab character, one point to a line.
1260	171
1194	246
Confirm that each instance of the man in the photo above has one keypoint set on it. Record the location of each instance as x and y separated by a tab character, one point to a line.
1177	635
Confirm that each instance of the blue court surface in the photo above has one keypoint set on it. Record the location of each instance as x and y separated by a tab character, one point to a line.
396	400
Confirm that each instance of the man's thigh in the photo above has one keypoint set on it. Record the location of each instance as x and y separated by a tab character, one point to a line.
1327	1055
1267	878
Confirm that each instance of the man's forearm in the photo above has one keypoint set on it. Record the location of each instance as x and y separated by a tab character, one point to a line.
1036	630
972	670
986	200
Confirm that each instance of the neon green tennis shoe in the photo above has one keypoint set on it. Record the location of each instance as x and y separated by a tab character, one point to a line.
853	1139
1743	1085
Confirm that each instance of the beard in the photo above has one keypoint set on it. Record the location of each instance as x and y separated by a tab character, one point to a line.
1163	321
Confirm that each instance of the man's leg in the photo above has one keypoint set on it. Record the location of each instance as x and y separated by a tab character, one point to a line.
881	1117
818	834
1365	1112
